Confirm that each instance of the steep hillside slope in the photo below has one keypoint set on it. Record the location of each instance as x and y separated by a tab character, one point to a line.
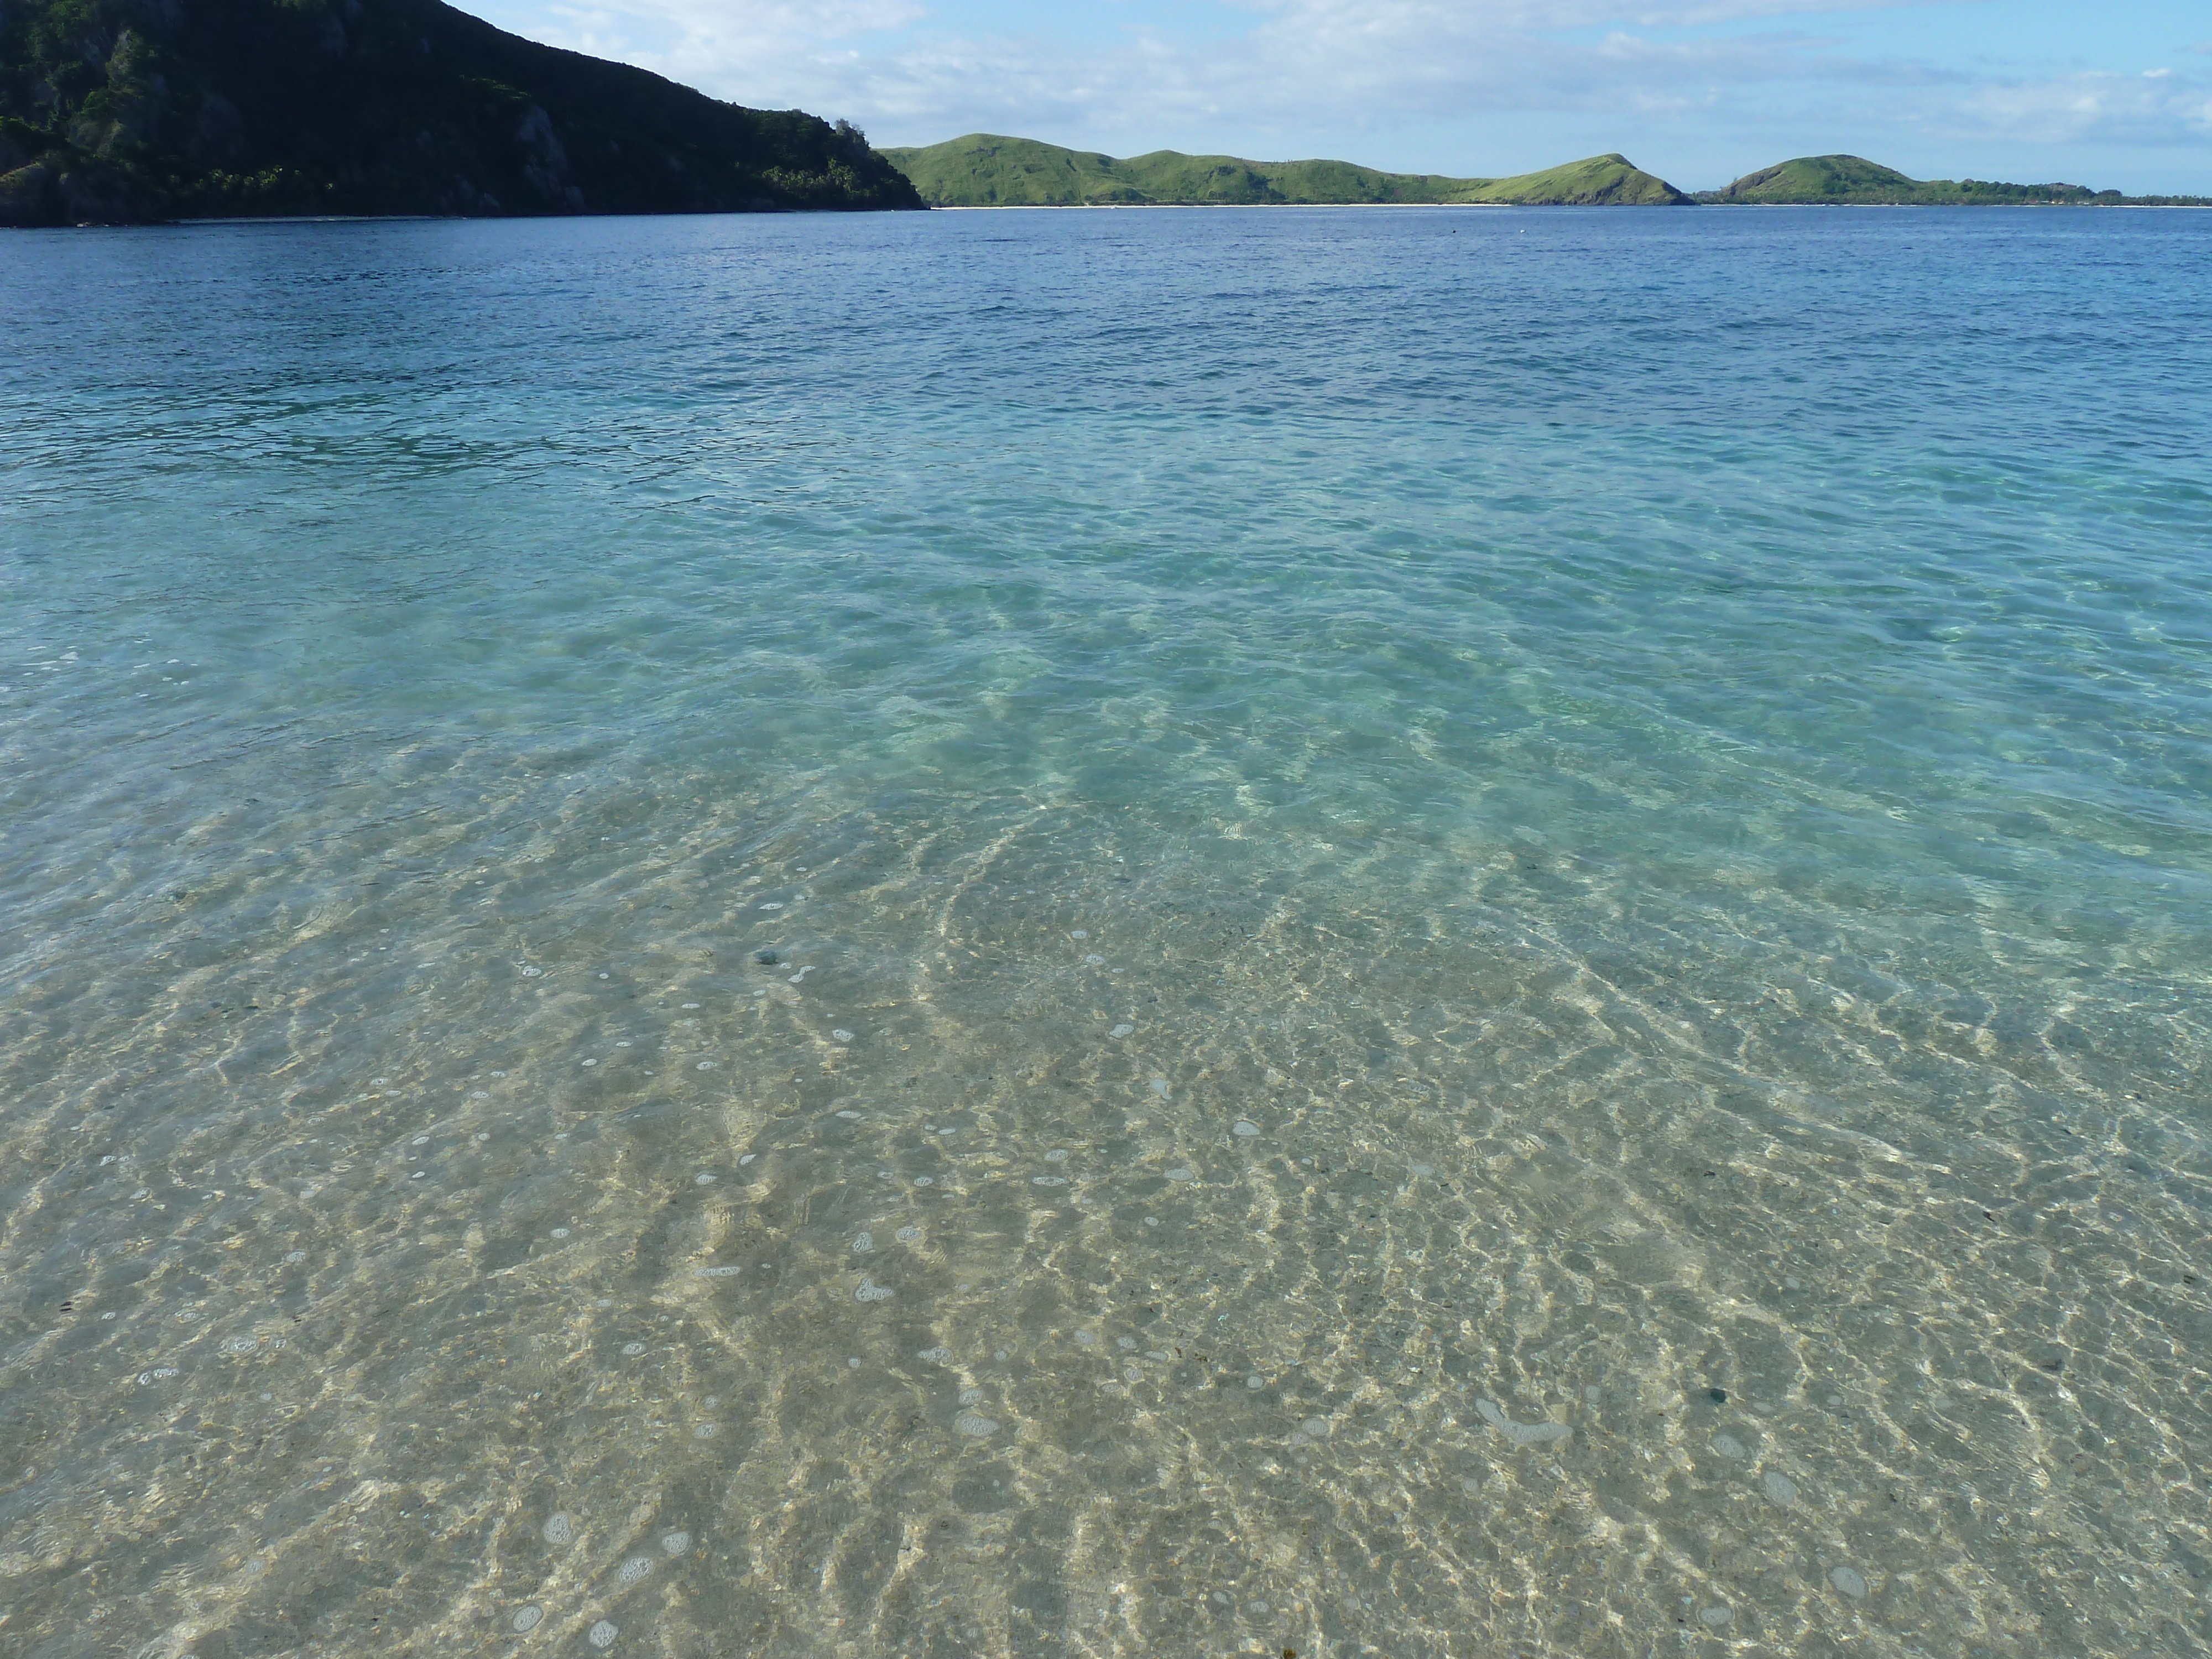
126	110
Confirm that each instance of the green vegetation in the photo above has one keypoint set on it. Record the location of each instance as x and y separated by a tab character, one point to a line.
1852	179
134	110
982	170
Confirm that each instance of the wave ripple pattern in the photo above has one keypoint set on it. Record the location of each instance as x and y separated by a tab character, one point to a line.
1416	933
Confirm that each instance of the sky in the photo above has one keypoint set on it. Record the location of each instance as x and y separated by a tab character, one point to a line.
2115	95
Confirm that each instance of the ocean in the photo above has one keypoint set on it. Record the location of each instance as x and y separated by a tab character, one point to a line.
1419	932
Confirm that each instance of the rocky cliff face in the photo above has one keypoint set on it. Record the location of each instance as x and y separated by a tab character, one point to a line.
124	110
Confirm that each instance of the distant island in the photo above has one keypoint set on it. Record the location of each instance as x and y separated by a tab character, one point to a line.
1843	181
986	170
129	111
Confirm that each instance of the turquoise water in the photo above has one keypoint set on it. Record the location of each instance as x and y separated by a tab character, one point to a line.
1491	933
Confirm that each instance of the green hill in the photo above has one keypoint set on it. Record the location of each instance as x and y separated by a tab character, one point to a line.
984	170
131	109
1852	179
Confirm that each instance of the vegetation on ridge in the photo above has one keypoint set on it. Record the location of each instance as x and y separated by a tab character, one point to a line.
985	170
132	110
1840	179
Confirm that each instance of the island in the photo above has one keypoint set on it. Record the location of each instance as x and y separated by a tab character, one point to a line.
1846	180
134	111
986	170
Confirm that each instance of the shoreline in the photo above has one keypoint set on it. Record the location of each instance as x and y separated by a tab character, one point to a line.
234	220
1656	207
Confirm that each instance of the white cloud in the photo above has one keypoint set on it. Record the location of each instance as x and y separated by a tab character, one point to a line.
1715	80
2154	108
1412	20
734	48
1304	64
759	19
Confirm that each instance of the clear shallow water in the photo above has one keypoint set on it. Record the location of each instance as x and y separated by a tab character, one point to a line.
1380	830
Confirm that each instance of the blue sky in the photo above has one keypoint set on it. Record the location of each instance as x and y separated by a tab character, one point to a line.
1699	91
